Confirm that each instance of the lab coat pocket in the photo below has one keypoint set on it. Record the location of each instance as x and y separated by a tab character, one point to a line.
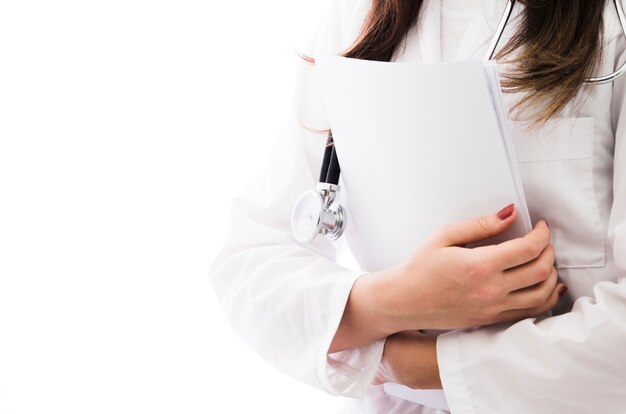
556	165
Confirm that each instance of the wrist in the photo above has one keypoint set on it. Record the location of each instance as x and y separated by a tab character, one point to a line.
410	358
402	306
381	299
365	317
375	309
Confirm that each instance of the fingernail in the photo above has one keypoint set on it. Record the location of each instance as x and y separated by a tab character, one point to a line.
563	291
547	224
506	212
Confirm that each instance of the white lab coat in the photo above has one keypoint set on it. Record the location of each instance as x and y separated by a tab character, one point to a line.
285	300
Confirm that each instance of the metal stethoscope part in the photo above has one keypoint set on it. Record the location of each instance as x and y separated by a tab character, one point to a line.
314	212
593	81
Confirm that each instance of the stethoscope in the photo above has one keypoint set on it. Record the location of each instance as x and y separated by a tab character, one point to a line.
315	212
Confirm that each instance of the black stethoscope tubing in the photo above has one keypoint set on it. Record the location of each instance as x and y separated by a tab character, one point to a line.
330	165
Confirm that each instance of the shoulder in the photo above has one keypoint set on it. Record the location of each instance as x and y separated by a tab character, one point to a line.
336	32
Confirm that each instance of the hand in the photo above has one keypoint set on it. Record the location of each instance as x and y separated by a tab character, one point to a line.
410	358
444	285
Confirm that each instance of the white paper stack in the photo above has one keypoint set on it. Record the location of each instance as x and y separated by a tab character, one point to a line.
420	145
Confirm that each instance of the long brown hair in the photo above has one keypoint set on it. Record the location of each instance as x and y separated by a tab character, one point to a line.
557	47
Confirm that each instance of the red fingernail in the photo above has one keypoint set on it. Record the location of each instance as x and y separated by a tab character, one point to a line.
563	291
506	212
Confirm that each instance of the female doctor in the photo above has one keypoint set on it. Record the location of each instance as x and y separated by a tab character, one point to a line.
349	332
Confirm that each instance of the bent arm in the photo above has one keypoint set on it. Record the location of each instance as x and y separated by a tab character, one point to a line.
362	322
283	299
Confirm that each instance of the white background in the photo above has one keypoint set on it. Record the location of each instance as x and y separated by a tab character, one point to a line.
125	128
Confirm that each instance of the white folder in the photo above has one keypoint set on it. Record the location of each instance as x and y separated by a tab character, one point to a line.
419	145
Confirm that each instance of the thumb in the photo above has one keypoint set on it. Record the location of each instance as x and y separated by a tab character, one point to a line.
475	230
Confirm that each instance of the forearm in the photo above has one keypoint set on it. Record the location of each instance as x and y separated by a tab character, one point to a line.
367	316
410	358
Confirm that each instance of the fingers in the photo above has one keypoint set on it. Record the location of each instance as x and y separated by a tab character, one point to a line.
471	231
519	314
534	296
518	251
531	273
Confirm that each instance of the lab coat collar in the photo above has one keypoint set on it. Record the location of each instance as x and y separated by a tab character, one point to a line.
482	29
478	36
430	31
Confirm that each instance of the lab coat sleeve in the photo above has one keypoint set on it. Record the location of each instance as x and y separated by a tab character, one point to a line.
283	299
571	363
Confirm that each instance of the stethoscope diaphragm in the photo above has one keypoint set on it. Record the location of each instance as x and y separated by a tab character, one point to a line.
315	211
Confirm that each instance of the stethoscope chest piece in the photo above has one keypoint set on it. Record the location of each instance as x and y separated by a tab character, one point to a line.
314	213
